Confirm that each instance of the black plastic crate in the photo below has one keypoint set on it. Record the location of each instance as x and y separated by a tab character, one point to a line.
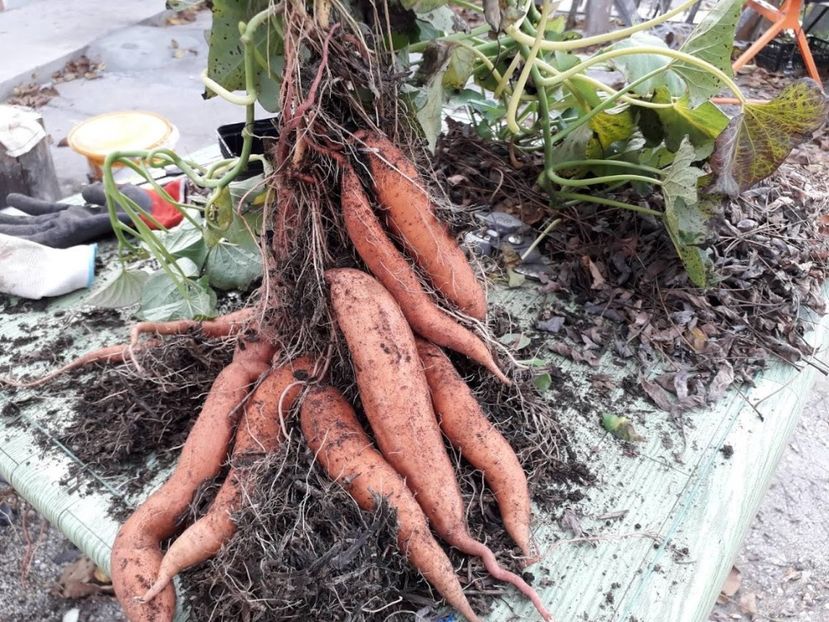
230	141
820	53
777	54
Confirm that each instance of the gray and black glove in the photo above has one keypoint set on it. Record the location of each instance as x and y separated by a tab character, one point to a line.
61	225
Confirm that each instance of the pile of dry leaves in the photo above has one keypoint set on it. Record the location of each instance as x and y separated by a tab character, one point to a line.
618	289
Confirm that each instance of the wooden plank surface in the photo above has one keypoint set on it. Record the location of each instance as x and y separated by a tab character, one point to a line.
685	505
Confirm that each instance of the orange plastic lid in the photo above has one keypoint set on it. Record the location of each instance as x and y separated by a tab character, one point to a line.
120	131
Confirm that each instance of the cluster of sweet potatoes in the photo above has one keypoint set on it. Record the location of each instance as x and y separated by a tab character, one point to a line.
410	392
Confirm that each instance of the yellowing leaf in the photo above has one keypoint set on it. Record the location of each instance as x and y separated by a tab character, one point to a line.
757	141
460	67
701	124
610	128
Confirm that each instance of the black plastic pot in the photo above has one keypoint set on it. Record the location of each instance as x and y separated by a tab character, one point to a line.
230	141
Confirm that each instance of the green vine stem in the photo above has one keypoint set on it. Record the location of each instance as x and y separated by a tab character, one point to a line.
620	163
529	64
550	172
588	198
558	76
457	36
158	158
576	44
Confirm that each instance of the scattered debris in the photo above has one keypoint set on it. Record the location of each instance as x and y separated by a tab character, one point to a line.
80	579
621	428
32	95
81	67
624	293
732	583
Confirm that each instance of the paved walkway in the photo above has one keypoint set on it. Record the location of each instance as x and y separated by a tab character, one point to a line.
37	38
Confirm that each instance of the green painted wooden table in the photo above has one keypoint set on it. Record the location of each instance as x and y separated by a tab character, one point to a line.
664	523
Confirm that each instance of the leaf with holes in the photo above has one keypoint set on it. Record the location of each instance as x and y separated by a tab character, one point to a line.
711	41
757	141
226	58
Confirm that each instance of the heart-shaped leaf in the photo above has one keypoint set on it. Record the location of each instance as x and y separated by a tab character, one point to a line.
635	66
757	140
164	299
123	291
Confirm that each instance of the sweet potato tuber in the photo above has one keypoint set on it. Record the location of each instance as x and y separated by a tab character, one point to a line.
259	433
396	400
411	216
136	554
390	267
345	452
467	428
222	326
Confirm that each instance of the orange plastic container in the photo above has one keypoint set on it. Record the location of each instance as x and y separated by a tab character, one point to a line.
99	136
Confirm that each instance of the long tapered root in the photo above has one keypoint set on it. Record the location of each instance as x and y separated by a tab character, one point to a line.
136	555
260	432
468	545
392	269
224	326
110	354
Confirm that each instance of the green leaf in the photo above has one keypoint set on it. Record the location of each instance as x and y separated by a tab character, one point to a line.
701	124
636	66
187	267
460	67
232	266
428	100
184	241
123	291
164	299
621	428
438	22
226	59
680	180
658	157
757	140
685	219
574	146
543	381
270	82
713	41
236	261
249	194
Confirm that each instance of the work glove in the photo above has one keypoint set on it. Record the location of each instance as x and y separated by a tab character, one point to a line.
60	225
